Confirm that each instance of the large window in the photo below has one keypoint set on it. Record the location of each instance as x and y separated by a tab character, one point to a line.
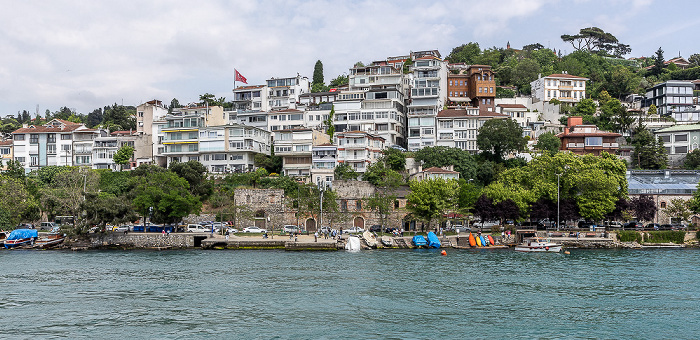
594	141
19	137
34	138
681	138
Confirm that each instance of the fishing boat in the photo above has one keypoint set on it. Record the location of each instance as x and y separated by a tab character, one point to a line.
50	240
370	239
20	237
419	241
536	244
433	241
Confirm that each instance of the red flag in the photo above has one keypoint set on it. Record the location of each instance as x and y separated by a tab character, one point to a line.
240	77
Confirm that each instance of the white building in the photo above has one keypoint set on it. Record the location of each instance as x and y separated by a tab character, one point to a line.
324	159
563	87
459	128
294	146
51	144
232	148
358	149
428	80
283	93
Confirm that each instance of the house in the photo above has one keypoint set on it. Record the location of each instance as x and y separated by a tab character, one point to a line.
250	98
232	147
472	85
428	79
587	139
457	128
679	140
149	119
294	146
435	172
563	87
324	159
359	149
672	98
283	93
6	153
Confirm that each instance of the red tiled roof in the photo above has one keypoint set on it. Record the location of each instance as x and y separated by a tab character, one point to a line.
122	132
436	170
483	112
559	75
6	142
512	106
66	122
251	87
40	129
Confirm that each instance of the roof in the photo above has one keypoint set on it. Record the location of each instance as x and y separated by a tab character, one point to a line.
662	181
44	129
286	111
559	75
436	170
677	128
294	130
123	133
251	87
66	122
512	106
483	112
589	134
6	142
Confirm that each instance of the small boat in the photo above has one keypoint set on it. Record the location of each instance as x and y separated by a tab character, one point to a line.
387	241
536	244
478	241
493	243
419	241
472	240
21	237
49	241
483	241
353	243
433	241
370	239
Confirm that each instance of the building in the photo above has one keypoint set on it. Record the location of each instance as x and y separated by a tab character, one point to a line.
232	148
428	80
359	149
6	153
563	87
250	98
283	93
587	139
663	186
105	145
672	98
435	172
149	120
324	159
294	146
527	119
679	140
482	86
51	144
457	128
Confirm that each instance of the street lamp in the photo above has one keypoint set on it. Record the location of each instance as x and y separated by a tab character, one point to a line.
558	219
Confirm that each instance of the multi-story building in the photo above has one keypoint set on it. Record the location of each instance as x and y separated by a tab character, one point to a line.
148	115
563	87
679	140
5	153
181	131
587	139
51	144
358	149
294	146
283	93
672	98
232	147
428	78
482	86
250	98
83	142
324	159
458	128
106	145
285	120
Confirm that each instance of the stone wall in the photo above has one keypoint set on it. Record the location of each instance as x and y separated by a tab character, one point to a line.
142	240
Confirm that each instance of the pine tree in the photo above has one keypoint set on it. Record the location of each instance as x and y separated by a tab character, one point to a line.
330	128
318	73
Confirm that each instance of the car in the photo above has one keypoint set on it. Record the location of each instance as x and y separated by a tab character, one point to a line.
633	225
232	230
122	228
47	225
375	228
586	225
612	224
398	147
354	230
652	226
196	228
665	227
679	227
290	228
254	229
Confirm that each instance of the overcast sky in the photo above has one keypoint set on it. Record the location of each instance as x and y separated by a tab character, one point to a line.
88	54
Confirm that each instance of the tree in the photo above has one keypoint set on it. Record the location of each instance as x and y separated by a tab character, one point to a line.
174	104
102	208
339	81
15	169
692	160
65	197
211	100
330	128
119	117
271	163
501	137
694	60
644	207
652	110
659	65
432	198
649	153
484	209
442	156
195	173
548	142
381	176
345	172
594	39
164	196
466	53
123	155
533	47
15	201
524	73
678	208
318	73
395	159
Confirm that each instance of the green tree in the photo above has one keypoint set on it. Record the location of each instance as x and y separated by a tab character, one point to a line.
318	73
195	173
501	137
466	53
442	156
652	110
345	172
679	208
164	196
339	81
379	175
594	39
15	169
123	155
119	118
433	198
102	208
394	159
15	201
330	128
94	118
174	104
694	60
65	197
271	163
524	73
649	152
659	65
548	142
692	160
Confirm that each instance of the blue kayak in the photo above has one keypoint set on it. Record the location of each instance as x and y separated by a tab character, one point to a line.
433	241
483	241
419	241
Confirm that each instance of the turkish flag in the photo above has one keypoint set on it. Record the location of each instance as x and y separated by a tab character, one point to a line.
240	77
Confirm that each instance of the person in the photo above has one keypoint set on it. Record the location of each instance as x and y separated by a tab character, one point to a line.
227	234
316	236
265	234
340	234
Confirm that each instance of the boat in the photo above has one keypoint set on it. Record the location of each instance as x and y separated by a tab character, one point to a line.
20	237
419	241
478	241
472	240
353	243
387	241
433	241
370	239
493	243
483	241
536	244
50	240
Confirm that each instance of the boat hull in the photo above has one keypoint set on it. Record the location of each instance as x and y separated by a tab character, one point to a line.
16	243
48	242
543	248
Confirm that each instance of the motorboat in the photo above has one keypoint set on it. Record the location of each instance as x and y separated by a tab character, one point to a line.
50	240
353	244
536	244
20	237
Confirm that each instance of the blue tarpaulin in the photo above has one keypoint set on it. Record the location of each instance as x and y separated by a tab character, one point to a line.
19	234
433	241
419	241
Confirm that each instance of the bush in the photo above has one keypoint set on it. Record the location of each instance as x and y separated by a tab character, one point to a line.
630	236
674	236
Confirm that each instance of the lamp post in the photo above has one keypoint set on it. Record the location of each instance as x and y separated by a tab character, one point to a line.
558	219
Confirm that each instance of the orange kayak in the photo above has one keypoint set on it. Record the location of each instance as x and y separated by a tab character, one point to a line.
472	240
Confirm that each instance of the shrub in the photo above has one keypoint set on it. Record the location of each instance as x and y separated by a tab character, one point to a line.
674	236
630	236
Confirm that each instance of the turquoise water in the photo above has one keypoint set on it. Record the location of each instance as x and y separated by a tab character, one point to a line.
402	294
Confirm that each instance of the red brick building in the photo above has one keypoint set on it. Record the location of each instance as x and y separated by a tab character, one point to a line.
583	139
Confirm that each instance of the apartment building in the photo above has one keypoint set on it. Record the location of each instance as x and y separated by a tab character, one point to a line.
232	148
583	139
51	144
286	120
458	128
6	153
672	98
106	145
324	159
428	79
283	93
563	87
359	149
250	98
294	146
471	85
149	120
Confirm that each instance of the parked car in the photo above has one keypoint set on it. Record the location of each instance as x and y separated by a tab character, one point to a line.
652	226
612	224
679	227
354	230
665	227
196	228
633	225
254	229
375	228
47	225
232	230
290	228
121	229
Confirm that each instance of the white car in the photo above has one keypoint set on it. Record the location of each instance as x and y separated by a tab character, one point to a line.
353	230
254	229
121	229
290	229
196	228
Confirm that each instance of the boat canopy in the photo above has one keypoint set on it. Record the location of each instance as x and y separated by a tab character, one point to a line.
19	234
433	240
419	240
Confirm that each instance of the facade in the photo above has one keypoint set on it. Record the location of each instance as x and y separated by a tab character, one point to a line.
663	186
51	144
285	120
324	159
6	153
359	149
587	139
106	145
283	93
679	140
250	98
672	98
458	128
435	172
232	148
428	79
563	87
294	146
482	86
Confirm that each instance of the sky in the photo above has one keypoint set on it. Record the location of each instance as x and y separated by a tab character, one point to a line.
89	54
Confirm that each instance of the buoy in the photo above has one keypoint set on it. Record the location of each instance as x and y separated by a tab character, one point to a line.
567	252
443	253
546	248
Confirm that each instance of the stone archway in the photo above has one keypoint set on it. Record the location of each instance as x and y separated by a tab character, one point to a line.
260	221
310	224
359	222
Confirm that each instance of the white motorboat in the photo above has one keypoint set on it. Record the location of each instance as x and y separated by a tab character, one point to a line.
536	244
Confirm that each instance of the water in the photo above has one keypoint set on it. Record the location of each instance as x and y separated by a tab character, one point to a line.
402	294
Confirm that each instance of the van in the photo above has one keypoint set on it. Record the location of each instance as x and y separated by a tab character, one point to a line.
196	228
47	225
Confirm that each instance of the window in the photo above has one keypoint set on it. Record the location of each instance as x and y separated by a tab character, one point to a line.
681	138
34	160
34	138
51	149
344	205
663	205
51	138
681	149
594	141
19	137
358	205
218	157
666	139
